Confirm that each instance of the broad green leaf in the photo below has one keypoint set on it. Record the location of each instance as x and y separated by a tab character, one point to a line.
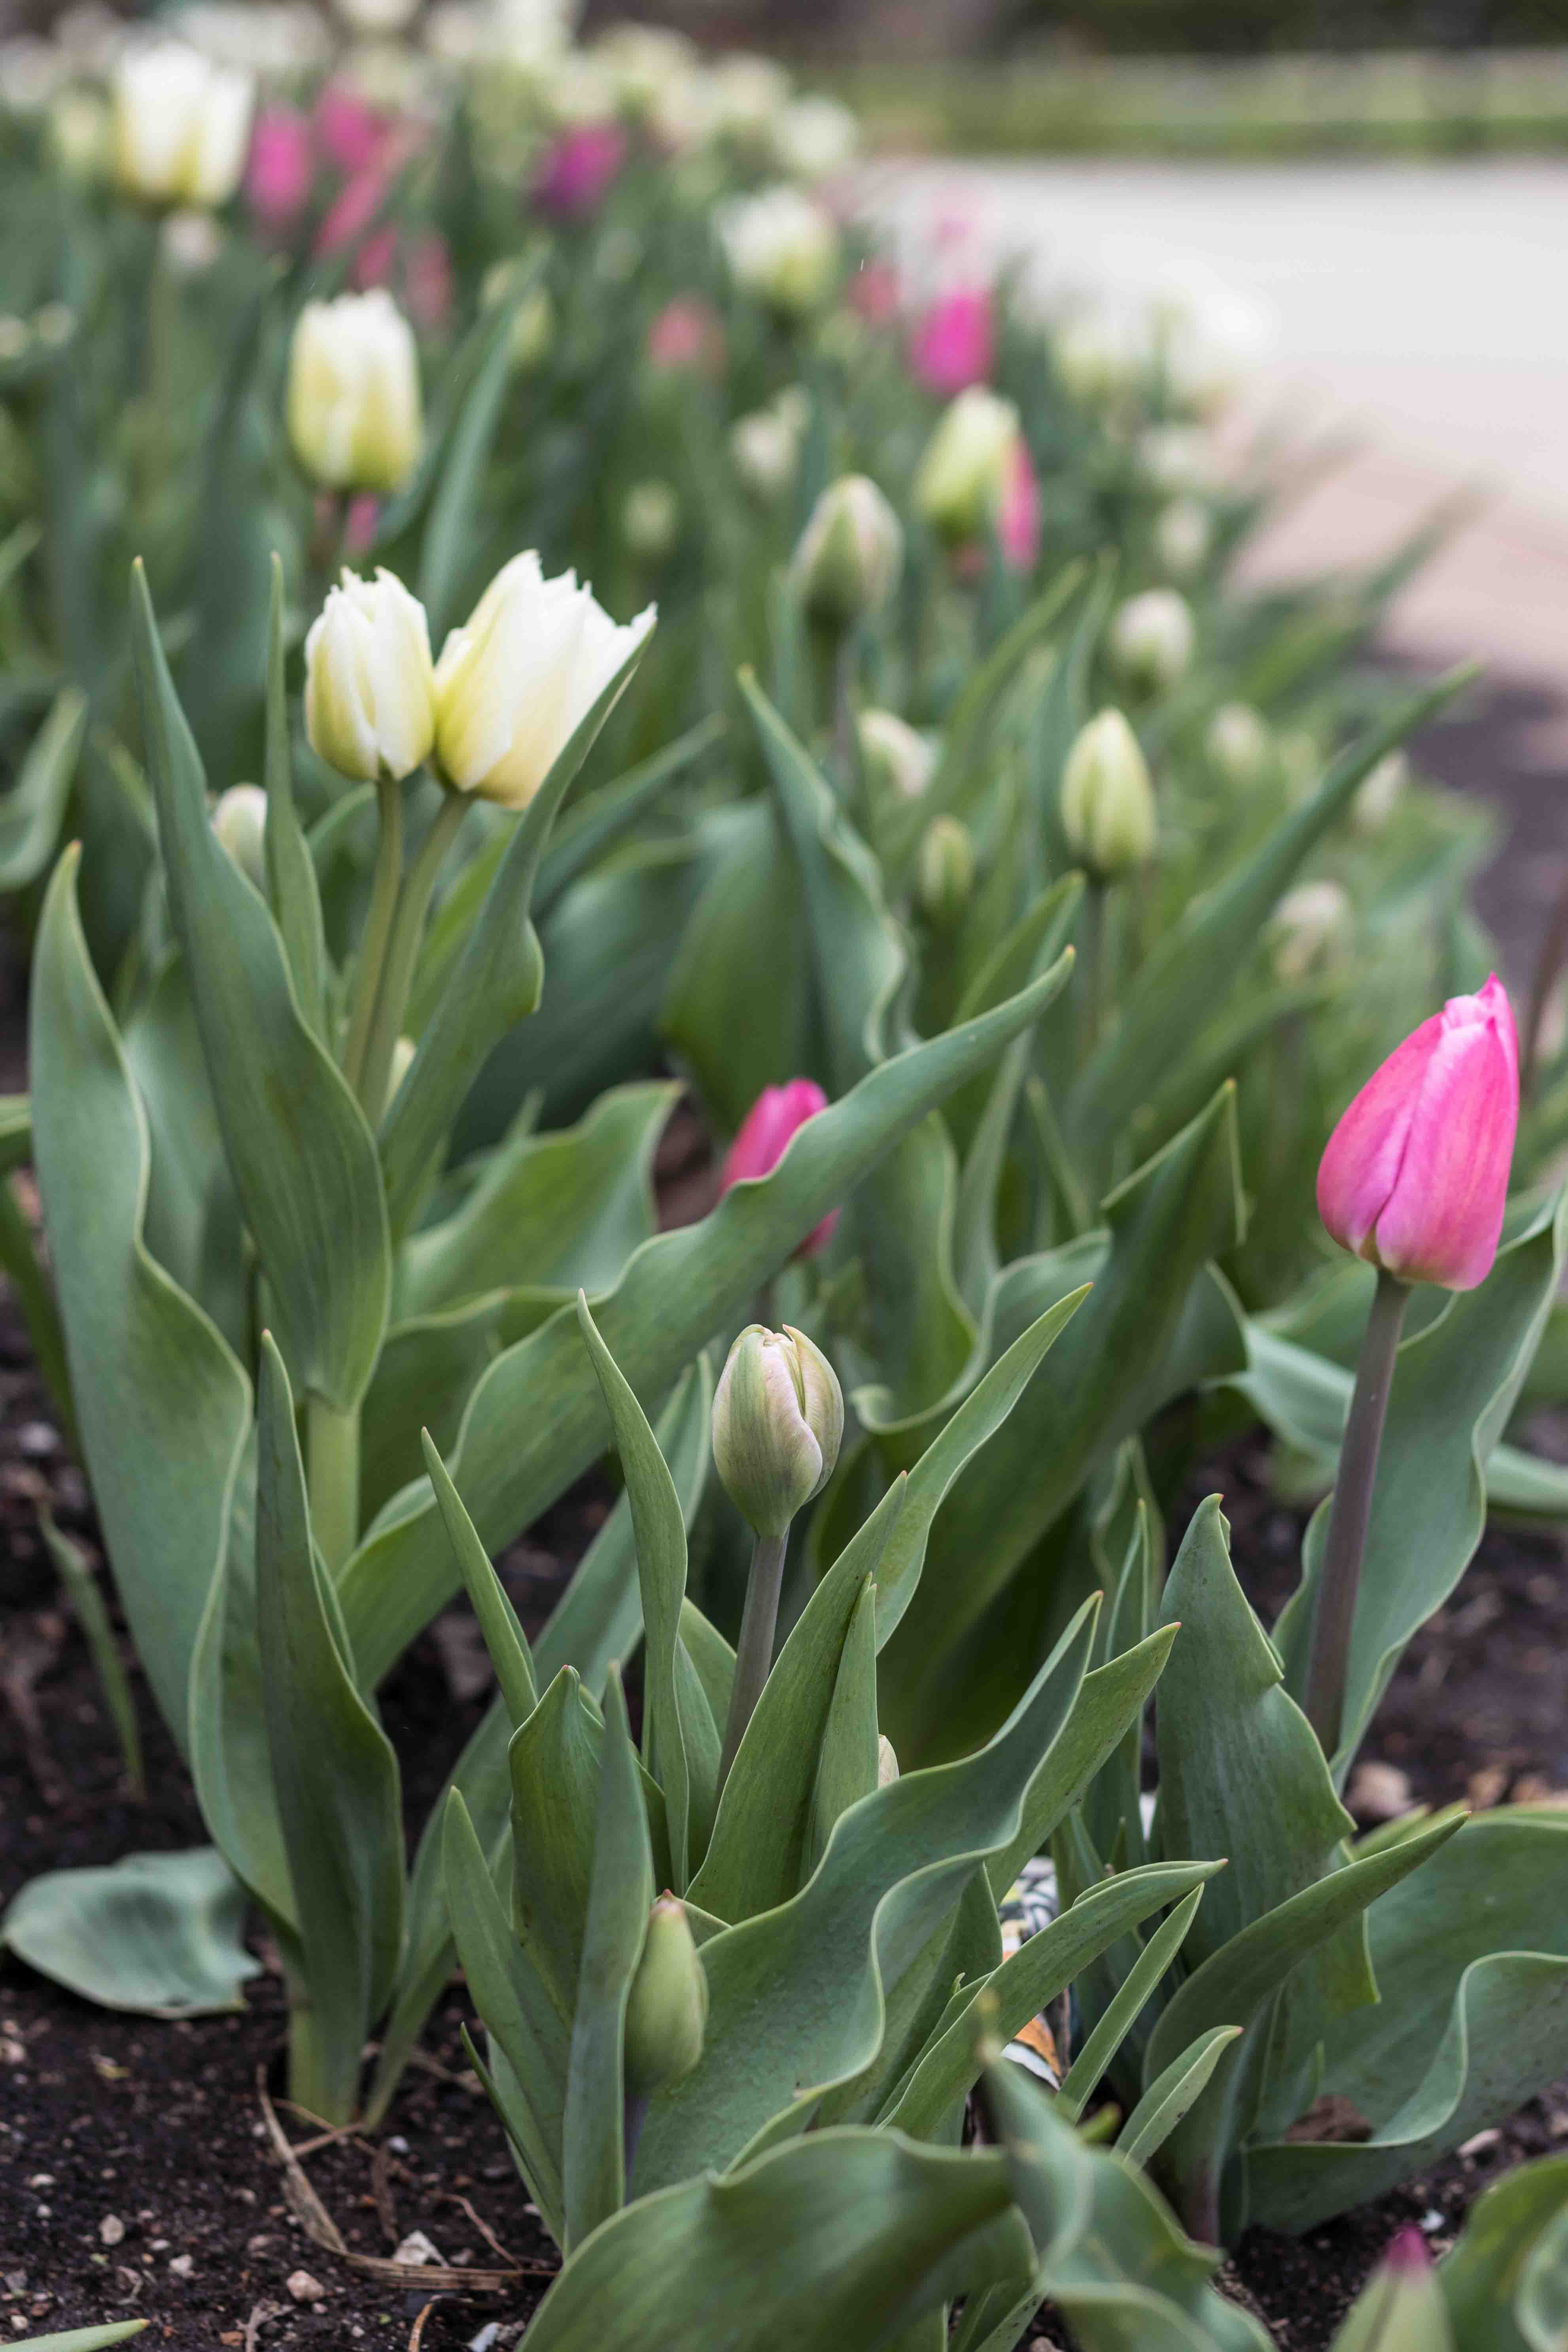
1496	2275
620	1896
194	1225
163	1406
33	811
1172	996
554	1761
160	1934
302	1155
333	1769
291	883
847	1765
1120	2015
83	2339
536	1420
1170	2095
15	1132
563	1210
1034	942
428	1369
843	2238
504	1636
74	1572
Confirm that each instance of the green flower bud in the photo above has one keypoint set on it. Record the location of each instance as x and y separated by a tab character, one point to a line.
963	477
1401	2308
1306	929
1107	801
1153	639
1239	746
666	2008
850	553
1378	794
778	1421
897	761
945	873
239	821
651	520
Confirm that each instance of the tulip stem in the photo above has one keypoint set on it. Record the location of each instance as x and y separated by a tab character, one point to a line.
332	1445
754	1650
634	2115
1091	935
403	952
1351	1510
377	931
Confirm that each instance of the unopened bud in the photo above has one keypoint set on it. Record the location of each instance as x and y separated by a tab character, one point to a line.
1306	928
651	520
1182	537
963	477
778	1421
897	761
1379	792
945	876
239	821
1107	801
1153	639
887	1762
850	553
666	2008
1239	746
1401	2307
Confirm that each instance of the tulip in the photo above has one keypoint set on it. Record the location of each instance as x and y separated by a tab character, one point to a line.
1018	516
814	137
182	125
667	2005
1307	926
1415	1179
1176	457
651	520
1182	537
964	476
278	177
1153	639
850	553
369	686
513	684
686	337
944	871
1107	800
643	62
239	821
895	757
781	246
1379	792
764	446
1401	2307
580	169
954	345
1094	360
81	134
766	1131
353	136
354	416
750	94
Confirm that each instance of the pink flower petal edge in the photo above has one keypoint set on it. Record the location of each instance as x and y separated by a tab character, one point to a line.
768	1128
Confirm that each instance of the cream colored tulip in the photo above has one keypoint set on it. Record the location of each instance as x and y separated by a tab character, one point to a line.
369	684
354	416
783	247
513	684
963	477
1107	801
1152	638
182	125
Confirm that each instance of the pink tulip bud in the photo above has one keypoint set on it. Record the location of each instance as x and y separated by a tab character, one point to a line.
772	1123
428	281
874	292
278	175
953	346
1019	518
686	337
1415	1175
351	212
351	134
580	169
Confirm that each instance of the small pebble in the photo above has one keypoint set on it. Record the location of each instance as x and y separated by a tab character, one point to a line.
111	2230
416	2249
302	2288
183	2265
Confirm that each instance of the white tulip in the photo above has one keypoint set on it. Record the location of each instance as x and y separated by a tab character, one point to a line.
765	449
1152	638
961	477
1379	793
1107	800
852	553
646	61
1238	743
1183	537
1306	927
376	17
354	416
897	759
781	245
750	93
814	137
513	684
182	125
369	686
239	821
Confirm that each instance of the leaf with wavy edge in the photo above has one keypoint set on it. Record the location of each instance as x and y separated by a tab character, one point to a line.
161	1935
536	1420
1511	2248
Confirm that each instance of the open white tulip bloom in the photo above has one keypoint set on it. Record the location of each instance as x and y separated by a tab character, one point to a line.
781	245
182	125
513	684
369	685
354	416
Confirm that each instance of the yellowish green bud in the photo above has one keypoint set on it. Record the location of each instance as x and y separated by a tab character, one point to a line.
1107	809
850	553
897	761
962	478
1379	793
81	134
778	1422
1306	929
1152	638
1182	537
239	821
666	2008
1239	745
651	520
765	449
354	414
403	1054
368	686
946	871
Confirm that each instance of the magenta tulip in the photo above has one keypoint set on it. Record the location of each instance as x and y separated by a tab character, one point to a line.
953	345
281	168
1415	1175
773	1121
579	170
1018	518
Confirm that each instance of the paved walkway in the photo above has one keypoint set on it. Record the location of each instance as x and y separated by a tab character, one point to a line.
1418	310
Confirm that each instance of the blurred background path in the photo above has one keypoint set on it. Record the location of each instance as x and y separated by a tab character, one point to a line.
1417	309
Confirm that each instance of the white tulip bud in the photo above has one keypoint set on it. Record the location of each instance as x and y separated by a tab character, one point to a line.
850	553
1307	926
962	478
944	875
1107	800
1239	745
182	125
765	449
354	416
81	134
1094	360
783	247
750	93
515	681
814	137
651	520
1379	793
368	686
1153	639
667	2005
1176	457
239	821
1184	535
887	1762
896	757
778	1422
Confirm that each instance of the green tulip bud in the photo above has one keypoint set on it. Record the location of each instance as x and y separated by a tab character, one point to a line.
1107	801
963	477
1378	794
898	761
1401	2307
666	2008
1239	744
651	520
946	872
778	1421
1182	537
239	821
850	553
1153	639
1307	926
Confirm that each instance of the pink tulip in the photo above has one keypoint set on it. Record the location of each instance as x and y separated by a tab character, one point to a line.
953	346
278	175
351	134
1019	521
428	281
874	293
686	337
376	259
1415	1175
579	169
351	212
359	525
773	1121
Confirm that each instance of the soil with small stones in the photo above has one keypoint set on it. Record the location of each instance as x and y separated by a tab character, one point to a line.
136	2175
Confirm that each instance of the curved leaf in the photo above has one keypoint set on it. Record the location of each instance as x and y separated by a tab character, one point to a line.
159	1934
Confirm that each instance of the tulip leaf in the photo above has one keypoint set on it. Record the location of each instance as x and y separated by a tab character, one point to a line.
291	883
847	1765
163	1406
494	982
797	1994
449	527
504	1636
429	1368
193	1225
302	1155
1172	996
554	1761
1034	940
33	812
537	1420
333	1767
565	1208
1132	1996
1510	2246
82	2339
158	1934
15	1132
1170	2095
845	2238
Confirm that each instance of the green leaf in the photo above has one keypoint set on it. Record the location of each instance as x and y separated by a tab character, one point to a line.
33	1294
847	1765
554	1762
33	811
334	1772
291	883
159	1934
504	1636
537	1420
76	1574
842	2238
15	1132
620	1896
450	528
1495	2279
1121	2013
1170	2095
658	1528
83	2339
164	1407
563	1210
302	1157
